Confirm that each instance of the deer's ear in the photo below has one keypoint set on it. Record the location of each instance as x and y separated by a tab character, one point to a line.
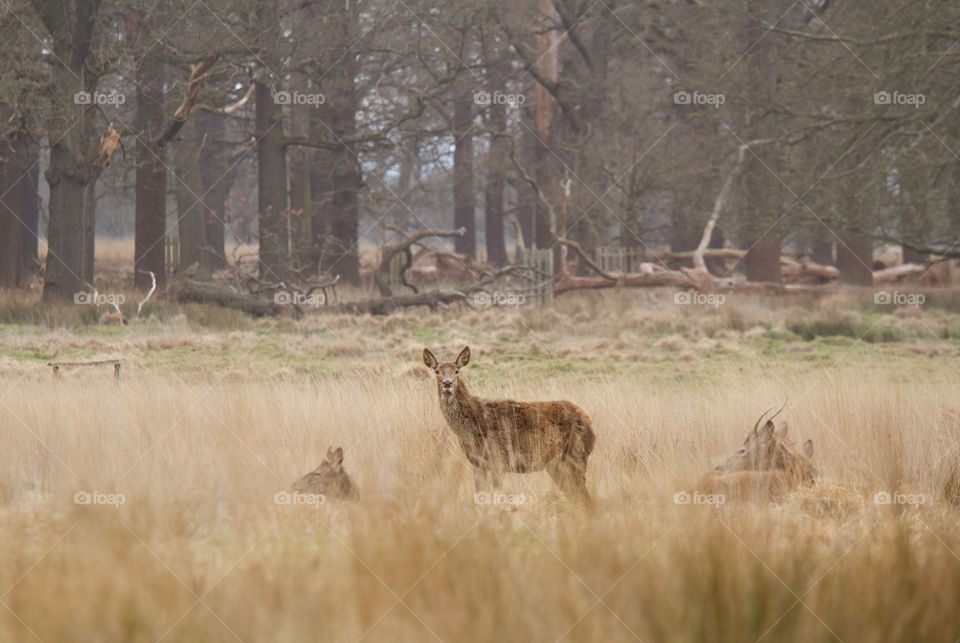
429	359
767	429
329	453
808	448
464	357
337	458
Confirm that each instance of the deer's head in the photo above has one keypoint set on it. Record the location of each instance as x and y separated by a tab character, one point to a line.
769	449
328	478
448	373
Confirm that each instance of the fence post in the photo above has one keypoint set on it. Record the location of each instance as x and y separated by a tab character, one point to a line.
171	253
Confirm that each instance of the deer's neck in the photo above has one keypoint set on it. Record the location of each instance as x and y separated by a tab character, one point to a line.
461	409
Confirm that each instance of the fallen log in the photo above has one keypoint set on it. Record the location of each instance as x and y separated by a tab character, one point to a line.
806	271
568	283
190	291
896	273
387	305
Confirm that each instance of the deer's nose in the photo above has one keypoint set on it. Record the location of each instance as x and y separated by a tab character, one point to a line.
447	383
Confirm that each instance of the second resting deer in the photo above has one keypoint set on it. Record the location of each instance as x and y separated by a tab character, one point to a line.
500	436
766	466
329	479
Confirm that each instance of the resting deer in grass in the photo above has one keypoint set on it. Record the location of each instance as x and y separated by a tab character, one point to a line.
501	436
329	479
766	466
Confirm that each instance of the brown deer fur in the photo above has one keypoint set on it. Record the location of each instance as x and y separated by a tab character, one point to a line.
767	465
329	479
501	436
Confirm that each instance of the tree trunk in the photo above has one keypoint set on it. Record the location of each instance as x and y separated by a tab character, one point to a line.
11	215
914	219
760	234
855	248
497	160
150	212
271	186
822	250
30	206
855	260
89	231
463	195
71	127
341	204
215	180
301	236
65	233
191	215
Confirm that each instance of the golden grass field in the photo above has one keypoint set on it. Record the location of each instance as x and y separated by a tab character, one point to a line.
216	413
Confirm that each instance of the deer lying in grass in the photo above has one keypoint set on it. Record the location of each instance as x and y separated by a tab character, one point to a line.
501	436
765	467
329	479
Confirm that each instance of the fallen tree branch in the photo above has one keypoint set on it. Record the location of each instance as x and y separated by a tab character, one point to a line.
386	305
186	107
190	291
720	203
897	273
388	252
153	287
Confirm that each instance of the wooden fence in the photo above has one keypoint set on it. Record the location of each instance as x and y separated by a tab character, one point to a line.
171	253
541	289
619	258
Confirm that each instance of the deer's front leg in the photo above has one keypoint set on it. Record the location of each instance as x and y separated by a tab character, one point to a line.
496	476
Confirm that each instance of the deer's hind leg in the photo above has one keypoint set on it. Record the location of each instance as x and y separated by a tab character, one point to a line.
571	477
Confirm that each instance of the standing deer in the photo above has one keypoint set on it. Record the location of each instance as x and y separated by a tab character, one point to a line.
500	436
765	466
329	479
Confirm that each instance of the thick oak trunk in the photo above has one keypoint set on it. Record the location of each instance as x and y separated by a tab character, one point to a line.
150	211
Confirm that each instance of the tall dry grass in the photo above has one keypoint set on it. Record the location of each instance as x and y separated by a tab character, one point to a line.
199	550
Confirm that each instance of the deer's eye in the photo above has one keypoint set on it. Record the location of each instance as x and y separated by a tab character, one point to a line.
742	451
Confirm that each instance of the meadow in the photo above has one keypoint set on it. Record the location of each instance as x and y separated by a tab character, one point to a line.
146	509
